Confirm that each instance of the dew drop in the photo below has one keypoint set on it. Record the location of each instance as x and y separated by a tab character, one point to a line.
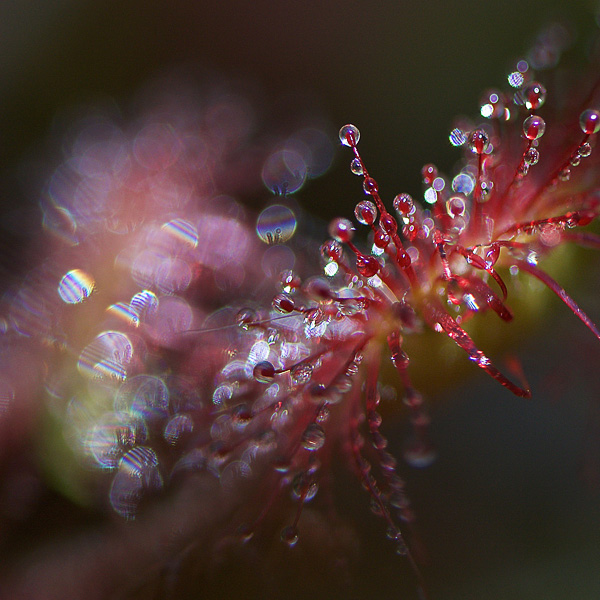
429	172
264	372
516	79
76	286
370	186
388	223
179	427
341	230
404	204
365	212
478	141
246	317
584	150
356	167
457	137
289	536
532	156
463	184
313	437
276	224
565	174
589	121
367	266
534	95
283	303
284	172
456	206
349	135
534	127
301	373
419	455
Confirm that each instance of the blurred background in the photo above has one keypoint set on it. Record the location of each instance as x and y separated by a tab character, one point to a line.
510	510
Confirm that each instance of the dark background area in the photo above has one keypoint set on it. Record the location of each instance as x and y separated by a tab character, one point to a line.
510	510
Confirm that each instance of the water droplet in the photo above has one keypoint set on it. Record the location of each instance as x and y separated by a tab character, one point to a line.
76	286
284	172
388	223
276	224
534	127
264	372
532	156
589	121
365	212
584	150
356	167
456	206
429	172
534	95
106	357
478	141
246	317
182	232
404	204
301	373
516	79
341	230
463	184
370	186
313	437
367	266
177	429
289	536
565	174
349	135
283	303
457	137
419	455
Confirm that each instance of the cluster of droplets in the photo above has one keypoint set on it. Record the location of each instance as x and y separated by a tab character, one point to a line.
441	262
265	388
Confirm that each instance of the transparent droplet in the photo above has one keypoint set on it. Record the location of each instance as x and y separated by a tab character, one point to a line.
289	536
177	429
532	156
264	372
456	206
284	172
246	317
534	127
534	95
404	204
419	455
457	137
367	266
313	437
349	135
283	303
478	141
341	230
463	184
565	174
516	79
356	167
589	121
301	373
584	150
76	286
276	224
365	212
107	357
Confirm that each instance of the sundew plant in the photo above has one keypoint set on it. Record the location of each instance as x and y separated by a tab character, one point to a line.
202	370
